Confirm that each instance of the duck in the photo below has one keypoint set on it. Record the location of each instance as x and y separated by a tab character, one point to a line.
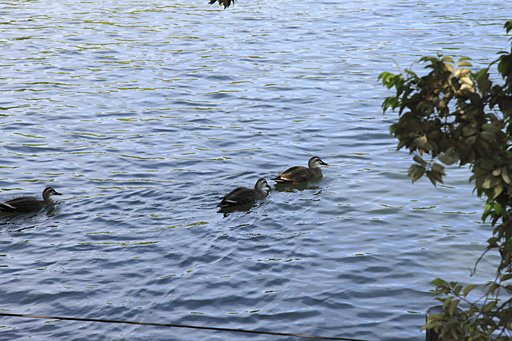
243	195
298	174
29	204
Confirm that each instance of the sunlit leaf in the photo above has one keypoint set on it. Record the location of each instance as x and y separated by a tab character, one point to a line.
464	118
465	63
488	183
466	81
461	72
420	141
497	208
505	176
497	191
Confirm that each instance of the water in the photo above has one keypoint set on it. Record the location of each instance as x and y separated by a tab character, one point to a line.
144	114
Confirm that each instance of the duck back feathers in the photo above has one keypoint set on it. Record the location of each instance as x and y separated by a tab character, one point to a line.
243	195
28	204
298	174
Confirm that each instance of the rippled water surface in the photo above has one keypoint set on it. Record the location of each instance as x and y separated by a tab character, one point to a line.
143	114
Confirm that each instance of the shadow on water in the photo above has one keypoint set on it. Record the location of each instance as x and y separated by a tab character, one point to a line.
283	187
242	208
19	221
278	187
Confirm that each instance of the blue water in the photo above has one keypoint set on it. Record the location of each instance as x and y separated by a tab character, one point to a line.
144	114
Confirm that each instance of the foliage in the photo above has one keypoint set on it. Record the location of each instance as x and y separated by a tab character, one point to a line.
456	116
224	3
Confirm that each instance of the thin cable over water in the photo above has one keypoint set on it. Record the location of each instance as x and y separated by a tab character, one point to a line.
82	319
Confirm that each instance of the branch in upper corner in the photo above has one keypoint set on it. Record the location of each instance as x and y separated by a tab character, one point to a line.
224	3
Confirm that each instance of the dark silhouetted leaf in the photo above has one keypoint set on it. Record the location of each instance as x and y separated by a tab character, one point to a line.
225	3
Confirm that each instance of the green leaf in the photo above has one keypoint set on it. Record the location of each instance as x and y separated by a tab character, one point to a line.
469	130
497	208
505	176
468	289
461	73
420	141
506	277
416	172
453	306
448	67
434	177
439	282
489	183
446	59
388	79
470	141
383	75
508	26
488	135
436	167
492	288
487	211
464	63
419	160
489	306
464	58
447	160
497	191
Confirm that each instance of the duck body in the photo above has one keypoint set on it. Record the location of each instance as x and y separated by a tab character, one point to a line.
298	174
243	195
28	204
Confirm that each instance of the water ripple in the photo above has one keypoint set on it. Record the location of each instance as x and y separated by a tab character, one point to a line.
144	114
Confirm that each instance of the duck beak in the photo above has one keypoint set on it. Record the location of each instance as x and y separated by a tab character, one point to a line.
57	193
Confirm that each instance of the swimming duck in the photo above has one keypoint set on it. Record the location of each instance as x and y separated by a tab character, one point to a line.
29	204
299	174
243	195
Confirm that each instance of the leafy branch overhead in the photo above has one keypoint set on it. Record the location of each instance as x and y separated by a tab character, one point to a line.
456	116
225	3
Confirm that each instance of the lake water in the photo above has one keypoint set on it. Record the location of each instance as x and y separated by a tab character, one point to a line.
143	114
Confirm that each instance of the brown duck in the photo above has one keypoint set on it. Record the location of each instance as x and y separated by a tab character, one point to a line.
29	204
243	195
300	174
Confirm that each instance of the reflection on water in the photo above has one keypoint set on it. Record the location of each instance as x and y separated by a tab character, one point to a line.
144	115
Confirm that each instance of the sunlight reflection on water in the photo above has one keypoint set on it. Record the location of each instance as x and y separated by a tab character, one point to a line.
143	115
